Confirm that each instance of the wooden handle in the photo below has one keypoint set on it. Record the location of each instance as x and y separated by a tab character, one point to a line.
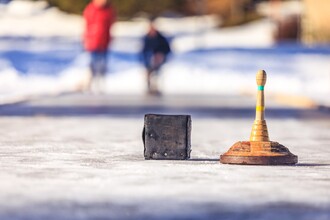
261	81
259	129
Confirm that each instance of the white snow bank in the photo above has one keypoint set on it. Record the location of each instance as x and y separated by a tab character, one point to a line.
195	24
34	19
281	8
15	87
169	26
255	34
197	33
297	77
25	8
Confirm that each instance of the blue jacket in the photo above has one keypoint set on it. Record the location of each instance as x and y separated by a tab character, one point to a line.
153	45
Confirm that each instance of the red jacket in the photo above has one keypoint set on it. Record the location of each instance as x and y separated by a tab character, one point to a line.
98	23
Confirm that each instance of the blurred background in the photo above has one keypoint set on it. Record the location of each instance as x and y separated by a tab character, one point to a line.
217	47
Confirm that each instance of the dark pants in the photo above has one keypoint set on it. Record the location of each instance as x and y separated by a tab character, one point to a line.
150	64
98	63
153	68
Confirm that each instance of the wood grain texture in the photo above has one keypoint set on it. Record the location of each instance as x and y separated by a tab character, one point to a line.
259	150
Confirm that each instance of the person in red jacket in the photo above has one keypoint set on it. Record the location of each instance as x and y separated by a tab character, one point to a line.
99	16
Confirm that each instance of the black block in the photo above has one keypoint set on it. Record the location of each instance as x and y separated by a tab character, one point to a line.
167	137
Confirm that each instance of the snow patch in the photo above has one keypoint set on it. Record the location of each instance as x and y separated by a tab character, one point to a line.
205	60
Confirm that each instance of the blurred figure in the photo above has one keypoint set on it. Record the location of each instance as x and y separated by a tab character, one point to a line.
99	16
155	51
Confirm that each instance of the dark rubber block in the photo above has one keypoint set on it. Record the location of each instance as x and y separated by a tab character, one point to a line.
167	137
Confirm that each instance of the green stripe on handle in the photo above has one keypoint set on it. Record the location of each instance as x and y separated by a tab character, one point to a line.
261	88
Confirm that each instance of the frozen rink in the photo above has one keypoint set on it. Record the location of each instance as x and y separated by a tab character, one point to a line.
81	157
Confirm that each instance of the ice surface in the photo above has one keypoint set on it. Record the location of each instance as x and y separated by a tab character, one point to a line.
82	158
93	167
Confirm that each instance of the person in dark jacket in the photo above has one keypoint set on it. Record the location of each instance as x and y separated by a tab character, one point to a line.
99	16
155	51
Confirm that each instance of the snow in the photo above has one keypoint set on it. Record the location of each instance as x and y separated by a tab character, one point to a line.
25	8
43	55
287	8
253	35
32	19
25	18
171	26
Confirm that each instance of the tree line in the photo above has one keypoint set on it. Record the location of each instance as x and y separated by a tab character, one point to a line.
127	8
